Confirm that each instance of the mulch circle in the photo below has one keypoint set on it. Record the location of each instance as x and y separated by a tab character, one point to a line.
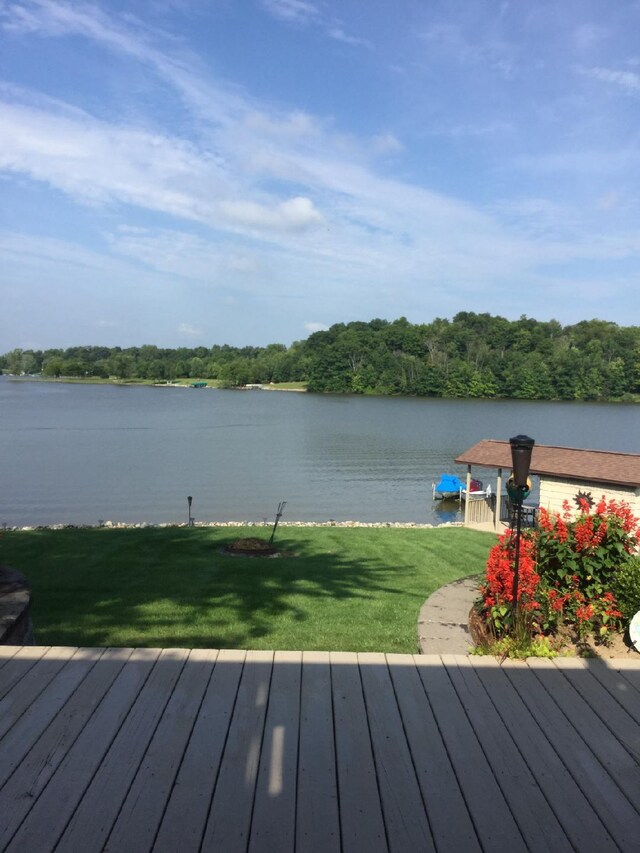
250	547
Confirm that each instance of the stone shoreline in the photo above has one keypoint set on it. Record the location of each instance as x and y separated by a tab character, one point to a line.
122	525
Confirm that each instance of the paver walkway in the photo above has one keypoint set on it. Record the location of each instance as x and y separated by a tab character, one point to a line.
442	623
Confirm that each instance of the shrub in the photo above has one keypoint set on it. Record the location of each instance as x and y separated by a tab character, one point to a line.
626	588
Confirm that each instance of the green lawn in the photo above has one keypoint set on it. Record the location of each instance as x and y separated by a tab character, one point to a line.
350	589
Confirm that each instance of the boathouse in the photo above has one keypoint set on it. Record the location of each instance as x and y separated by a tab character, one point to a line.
565	474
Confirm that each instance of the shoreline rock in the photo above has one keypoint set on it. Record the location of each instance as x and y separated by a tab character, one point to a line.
123	525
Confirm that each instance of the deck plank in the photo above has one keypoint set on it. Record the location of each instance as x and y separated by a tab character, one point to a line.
533	814
595	689
19	792
139	818
449	818
30	686
51	808
93	819
492	818
579	707
38	716
17	665
361	821
185	817
6	653
581	823
605	798
615	683
318	822
403	808
273	824
230	816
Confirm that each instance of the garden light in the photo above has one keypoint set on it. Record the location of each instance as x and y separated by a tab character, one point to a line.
521	449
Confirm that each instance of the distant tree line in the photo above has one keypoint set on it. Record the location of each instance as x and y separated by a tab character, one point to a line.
473	355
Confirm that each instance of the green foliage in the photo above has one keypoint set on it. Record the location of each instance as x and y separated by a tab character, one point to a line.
473	355
626	587
519	647
575	572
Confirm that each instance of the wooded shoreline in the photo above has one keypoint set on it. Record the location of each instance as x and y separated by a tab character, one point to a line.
471	356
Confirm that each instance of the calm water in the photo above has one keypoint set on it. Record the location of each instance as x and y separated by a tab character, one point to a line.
80	453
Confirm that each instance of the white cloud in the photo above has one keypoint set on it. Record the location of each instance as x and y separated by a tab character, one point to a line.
189	331
387	143
266	199
304	14
629	81
315	327
336	32
97	162
479	48
295	214
292	11
296	125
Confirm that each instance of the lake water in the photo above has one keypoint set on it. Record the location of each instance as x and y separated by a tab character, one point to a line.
81	453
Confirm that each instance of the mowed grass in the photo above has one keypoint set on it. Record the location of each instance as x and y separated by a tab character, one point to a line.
348	589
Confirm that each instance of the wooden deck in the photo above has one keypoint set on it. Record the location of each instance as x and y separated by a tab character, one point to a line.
141	749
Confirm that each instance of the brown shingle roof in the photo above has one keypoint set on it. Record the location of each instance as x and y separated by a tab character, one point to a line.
593	466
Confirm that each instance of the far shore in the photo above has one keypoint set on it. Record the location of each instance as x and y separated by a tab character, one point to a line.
211	384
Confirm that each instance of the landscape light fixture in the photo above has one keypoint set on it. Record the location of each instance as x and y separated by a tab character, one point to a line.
190	519
521	450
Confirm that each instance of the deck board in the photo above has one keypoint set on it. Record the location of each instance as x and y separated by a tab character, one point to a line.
494	823
400	793
30	685
317	816
23	786
51	808
361	822
185	817
229	822
165	750
273	824
564	734
447	812
92	821
139	818
535	817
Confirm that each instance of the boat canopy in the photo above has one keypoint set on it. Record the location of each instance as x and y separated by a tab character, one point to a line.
449	483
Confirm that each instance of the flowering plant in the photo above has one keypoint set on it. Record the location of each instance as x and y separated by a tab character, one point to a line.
567	572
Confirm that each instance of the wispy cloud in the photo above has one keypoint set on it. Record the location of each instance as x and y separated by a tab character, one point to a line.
261	198
628	81
293	11
305	14
484	48
189	331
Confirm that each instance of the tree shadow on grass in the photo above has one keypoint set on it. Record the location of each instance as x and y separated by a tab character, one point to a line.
173	587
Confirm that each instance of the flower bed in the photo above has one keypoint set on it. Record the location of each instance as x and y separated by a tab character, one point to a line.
579	578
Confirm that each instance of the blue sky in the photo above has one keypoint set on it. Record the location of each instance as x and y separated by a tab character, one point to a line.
190	172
